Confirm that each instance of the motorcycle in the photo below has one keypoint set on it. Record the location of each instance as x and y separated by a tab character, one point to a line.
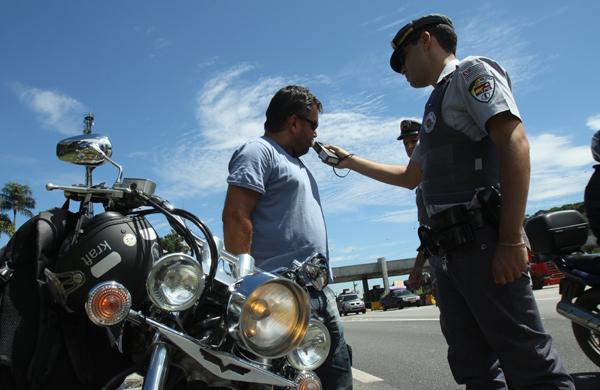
559	236
119	304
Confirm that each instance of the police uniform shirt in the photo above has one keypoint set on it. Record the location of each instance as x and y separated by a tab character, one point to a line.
479	89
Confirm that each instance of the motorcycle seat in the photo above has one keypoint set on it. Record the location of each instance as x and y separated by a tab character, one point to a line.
589	263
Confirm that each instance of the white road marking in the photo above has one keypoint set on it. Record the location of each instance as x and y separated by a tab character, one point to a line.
364	377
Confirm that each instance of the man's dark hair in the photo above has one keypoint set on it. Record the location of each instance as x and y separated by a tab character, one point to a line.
289	100
444	34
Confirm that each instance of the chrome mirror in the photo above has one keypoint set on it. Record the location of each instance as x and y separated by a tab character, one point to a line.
88	149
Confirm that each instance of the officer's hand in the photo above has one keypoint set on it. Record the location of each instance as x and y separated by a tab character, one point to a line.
415	279
342	154
509	263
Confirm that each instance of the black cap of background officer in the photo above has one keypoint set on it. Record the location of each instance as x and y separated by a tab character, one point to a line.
409	127
406	32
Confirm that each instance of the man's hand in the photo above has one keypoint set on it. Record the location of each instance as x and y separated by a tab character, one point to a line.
341	153
509	263
415	279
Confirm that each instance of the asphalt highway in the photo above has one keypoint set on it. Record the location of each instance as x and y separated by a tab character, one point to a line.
404	349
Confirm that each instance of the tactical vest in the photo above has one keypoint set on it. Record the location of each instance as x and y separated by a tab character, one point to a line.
453	165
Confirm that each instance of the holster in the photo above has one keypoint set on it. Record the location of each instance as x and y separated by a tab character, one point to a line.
456	225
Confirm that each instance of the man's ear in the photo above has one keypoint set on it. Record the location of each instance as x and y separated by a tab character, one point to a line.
292	123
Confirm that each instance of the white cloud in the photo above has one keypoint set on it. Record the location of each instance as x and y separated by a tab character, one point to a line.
230	110
396	24
208	62
479	36
401	216
55	111
558	168
161	43
593	122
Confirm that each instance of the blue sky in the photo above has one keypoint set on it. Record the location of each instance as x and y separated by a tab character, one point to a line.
178	85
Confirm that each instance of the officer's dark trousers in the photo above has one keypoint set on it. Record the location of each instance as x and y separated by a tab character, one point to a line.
336	372
494	332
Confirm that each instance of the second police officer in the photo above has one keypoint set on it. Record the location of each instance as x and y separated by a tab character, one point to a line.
409	135
472	138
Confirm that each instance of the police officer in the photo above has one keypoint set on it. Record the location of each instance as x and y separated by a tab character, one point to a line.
472	137
409	135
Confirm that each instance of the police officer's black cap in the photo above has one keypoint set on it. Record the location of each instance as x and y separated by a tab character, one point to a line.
409	127
397	58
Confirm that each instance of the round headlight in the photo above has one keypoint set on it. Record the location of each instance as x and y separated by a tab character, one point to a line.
175	282
274	318
314	348
108	303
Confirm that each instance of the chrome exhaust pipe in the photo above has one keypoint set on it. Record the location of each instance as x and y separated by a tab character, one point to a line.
579	316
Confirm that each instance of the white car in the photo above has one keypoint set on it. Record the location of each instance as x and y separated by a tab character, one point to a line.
350	303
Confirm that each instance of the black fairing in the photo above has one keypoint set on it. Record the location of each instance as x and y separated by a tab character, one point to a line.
111	246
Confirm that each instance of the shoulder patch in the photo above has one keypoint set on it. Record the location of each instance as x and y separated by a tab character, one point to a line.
482	88
480	82
429	122
473	71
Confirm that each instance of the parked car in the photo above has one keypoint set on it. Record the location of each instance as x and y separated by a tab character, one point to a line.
350	303
399	298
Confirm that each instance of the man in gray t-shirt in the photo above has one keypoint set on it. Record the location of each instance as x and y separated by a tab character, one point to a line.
287	221
273	211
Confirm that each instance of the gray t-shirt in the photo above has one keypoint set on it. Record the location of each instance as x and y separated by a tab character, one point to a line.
288	221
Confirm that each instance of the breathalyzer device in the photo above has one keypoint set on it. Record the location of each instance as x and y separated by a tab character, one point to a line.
326	155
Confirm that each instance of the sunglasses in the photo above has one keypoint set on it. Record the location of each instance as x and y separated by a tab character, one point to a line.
313	124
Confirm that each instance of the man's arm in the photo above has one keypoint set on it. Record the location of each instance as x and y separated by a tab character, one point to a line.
508	133
237	222
407	176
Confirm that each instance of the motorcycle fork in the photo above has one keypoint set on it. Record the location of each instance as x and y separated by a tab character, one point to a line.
156	375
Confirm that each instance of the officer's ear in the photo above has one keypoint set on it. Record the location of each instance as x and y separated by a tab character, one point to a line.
426	38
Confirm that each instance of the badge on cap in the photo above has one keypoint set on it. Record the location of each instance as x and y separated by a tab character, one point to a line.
429	122
482	88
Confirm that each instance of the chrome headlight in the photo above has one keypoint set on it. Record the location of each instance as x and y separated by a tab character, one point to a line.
314	348
175	282
268	314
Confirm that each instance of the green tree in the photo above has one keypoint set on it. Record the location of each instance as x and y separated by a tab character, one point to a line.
18	198
174	243
6	226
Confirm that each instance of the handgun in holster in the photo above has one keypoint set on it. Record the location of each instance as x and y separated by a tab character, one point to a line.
490	200
428	245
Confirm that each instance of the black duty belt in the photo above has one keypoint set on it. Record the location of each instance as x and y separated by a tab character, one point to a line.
451	228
